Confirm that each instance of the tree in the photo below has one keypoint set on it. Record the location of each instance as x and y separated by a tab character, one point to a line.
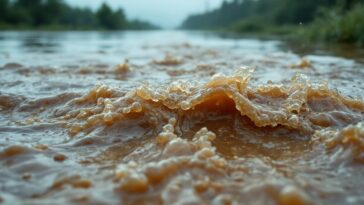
29	12
3	10
120	20
52	10
111	20
105	17
57	14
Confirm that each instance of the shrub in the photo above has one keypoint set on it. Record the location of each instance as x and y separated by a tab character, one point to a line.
333	25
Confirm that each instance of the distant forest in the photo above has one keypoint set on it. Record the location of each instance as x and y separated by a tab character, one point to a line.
332	20
57	15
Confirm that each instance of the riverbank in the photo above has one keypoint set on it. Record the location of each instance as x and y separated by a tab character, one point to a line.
299	21
331	27
136	26
59	16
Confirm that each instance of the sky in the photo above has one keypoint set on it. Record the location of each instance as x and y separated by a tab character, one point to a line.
164	13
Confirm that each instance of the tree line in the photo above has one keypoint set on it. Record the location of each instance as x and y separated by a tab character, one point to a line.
343	16
56	14
278	12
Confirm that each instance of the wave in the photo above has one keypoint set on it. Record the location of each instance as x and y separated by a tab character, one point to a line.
298	105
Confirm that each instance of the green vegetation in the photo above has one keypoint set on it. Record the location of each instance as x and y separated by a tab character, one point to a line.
57	15
339	26
319	20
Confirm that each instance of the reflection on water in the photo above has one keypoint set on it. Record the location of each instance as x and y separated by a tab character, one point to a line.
349	51
25	46
71	46
40	43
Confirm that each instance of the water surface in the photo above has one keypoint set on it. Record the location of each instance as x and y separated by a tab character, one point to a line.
173	117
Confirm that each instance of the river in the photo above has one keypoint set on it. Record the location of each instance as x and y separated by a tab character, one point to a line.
176	117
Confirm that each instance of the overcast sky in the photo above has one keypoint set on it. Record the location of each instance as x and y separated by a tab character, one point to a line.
165	13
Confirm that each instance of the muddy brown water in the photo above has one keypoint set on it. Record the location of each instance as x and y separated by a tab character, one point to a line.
172	117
